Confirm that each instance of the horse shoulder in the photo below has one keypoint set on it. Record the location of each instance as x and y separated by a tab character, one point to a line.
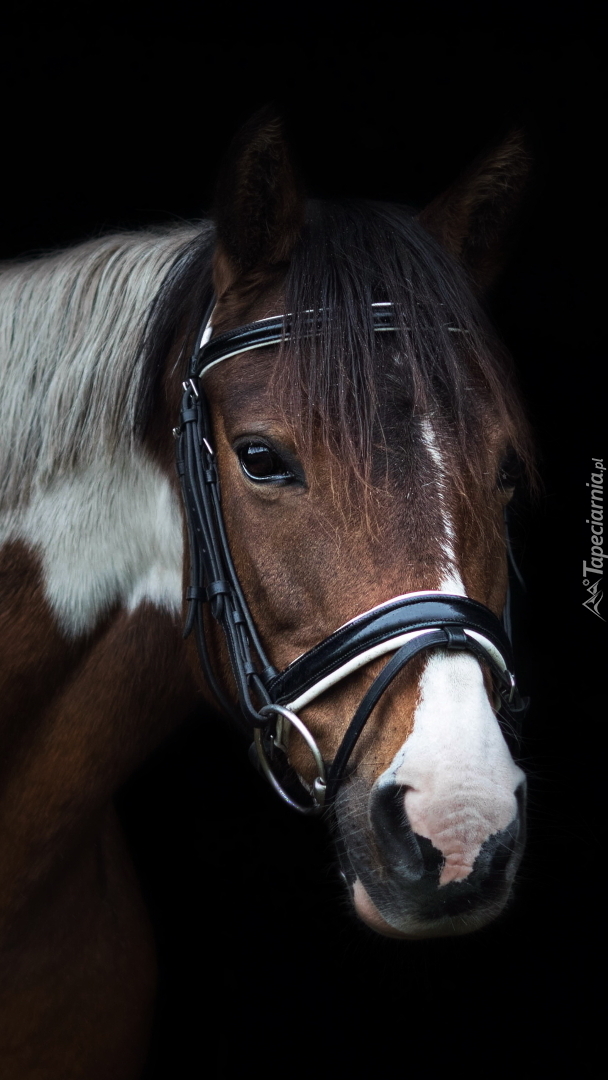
93	669
78	715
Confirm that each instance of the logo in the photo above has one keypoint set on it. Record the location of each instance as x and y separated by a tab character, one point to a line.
593	571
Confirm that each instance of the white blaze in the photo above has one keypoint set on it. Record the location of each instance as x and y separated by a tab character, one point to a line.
456	766
451	581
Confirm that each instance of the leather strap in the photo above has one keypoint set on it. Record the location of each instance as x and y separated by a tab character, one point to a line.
448	638
265	332
408	613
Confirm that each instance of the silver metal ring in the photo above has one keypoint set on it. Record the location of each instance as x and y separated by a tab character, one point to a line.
320	782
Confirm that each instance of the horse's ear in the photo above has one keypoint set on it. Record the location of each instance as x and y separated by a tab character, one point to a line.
259	207
472	218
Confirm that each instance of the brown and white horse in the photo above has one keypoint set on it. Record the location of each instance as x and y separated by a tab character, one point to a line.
381	468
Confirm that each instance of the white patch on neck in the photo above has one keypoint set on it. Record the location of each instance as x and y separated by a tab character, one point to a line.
459	776
109	534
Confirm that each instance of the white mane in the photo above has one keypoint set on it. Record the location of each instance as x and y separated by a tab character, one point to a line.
70	327
76	485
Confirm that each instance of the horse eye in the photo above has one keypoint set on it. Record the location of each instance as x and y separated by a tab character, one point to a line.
510	471
259	462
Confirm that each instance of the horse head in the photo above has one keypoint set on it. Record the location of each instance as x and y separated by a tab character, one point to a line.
357	467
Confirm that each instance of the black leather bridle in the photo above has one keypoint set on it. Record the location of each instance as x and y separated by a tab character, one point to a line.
268	700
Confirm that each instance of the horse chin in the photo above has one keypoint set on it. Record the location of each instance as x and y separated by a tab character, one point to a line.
410	930
369	914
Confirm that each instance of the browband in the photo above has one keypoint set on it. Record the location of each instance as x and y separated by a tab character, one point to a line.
265	332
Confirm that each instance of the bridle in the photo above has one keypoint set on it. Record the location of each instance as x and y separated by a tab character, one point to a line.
269	700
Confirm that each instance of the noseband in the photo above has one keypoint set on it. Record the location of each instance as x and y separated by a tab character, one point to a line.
269	700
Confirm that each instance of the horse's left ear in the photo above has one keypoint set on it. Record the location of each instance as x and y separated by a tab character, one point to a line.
472	219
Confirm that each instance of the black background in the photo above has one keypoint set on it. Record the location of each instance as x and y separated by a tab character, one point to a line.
119	119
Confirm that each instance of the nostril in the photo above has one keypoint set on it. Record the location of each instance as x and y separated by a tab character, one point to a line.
388	810
411	855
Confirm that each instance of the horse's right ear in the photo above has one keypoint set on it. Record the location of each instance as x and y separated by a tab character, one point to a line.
259	207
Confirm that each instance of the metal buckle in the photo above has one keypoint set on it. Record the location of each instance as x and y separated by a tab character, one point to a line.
506	694
190	387
319	785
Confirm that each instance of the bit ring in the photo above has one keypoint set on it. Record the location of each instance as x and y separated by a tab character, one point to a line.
320	782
